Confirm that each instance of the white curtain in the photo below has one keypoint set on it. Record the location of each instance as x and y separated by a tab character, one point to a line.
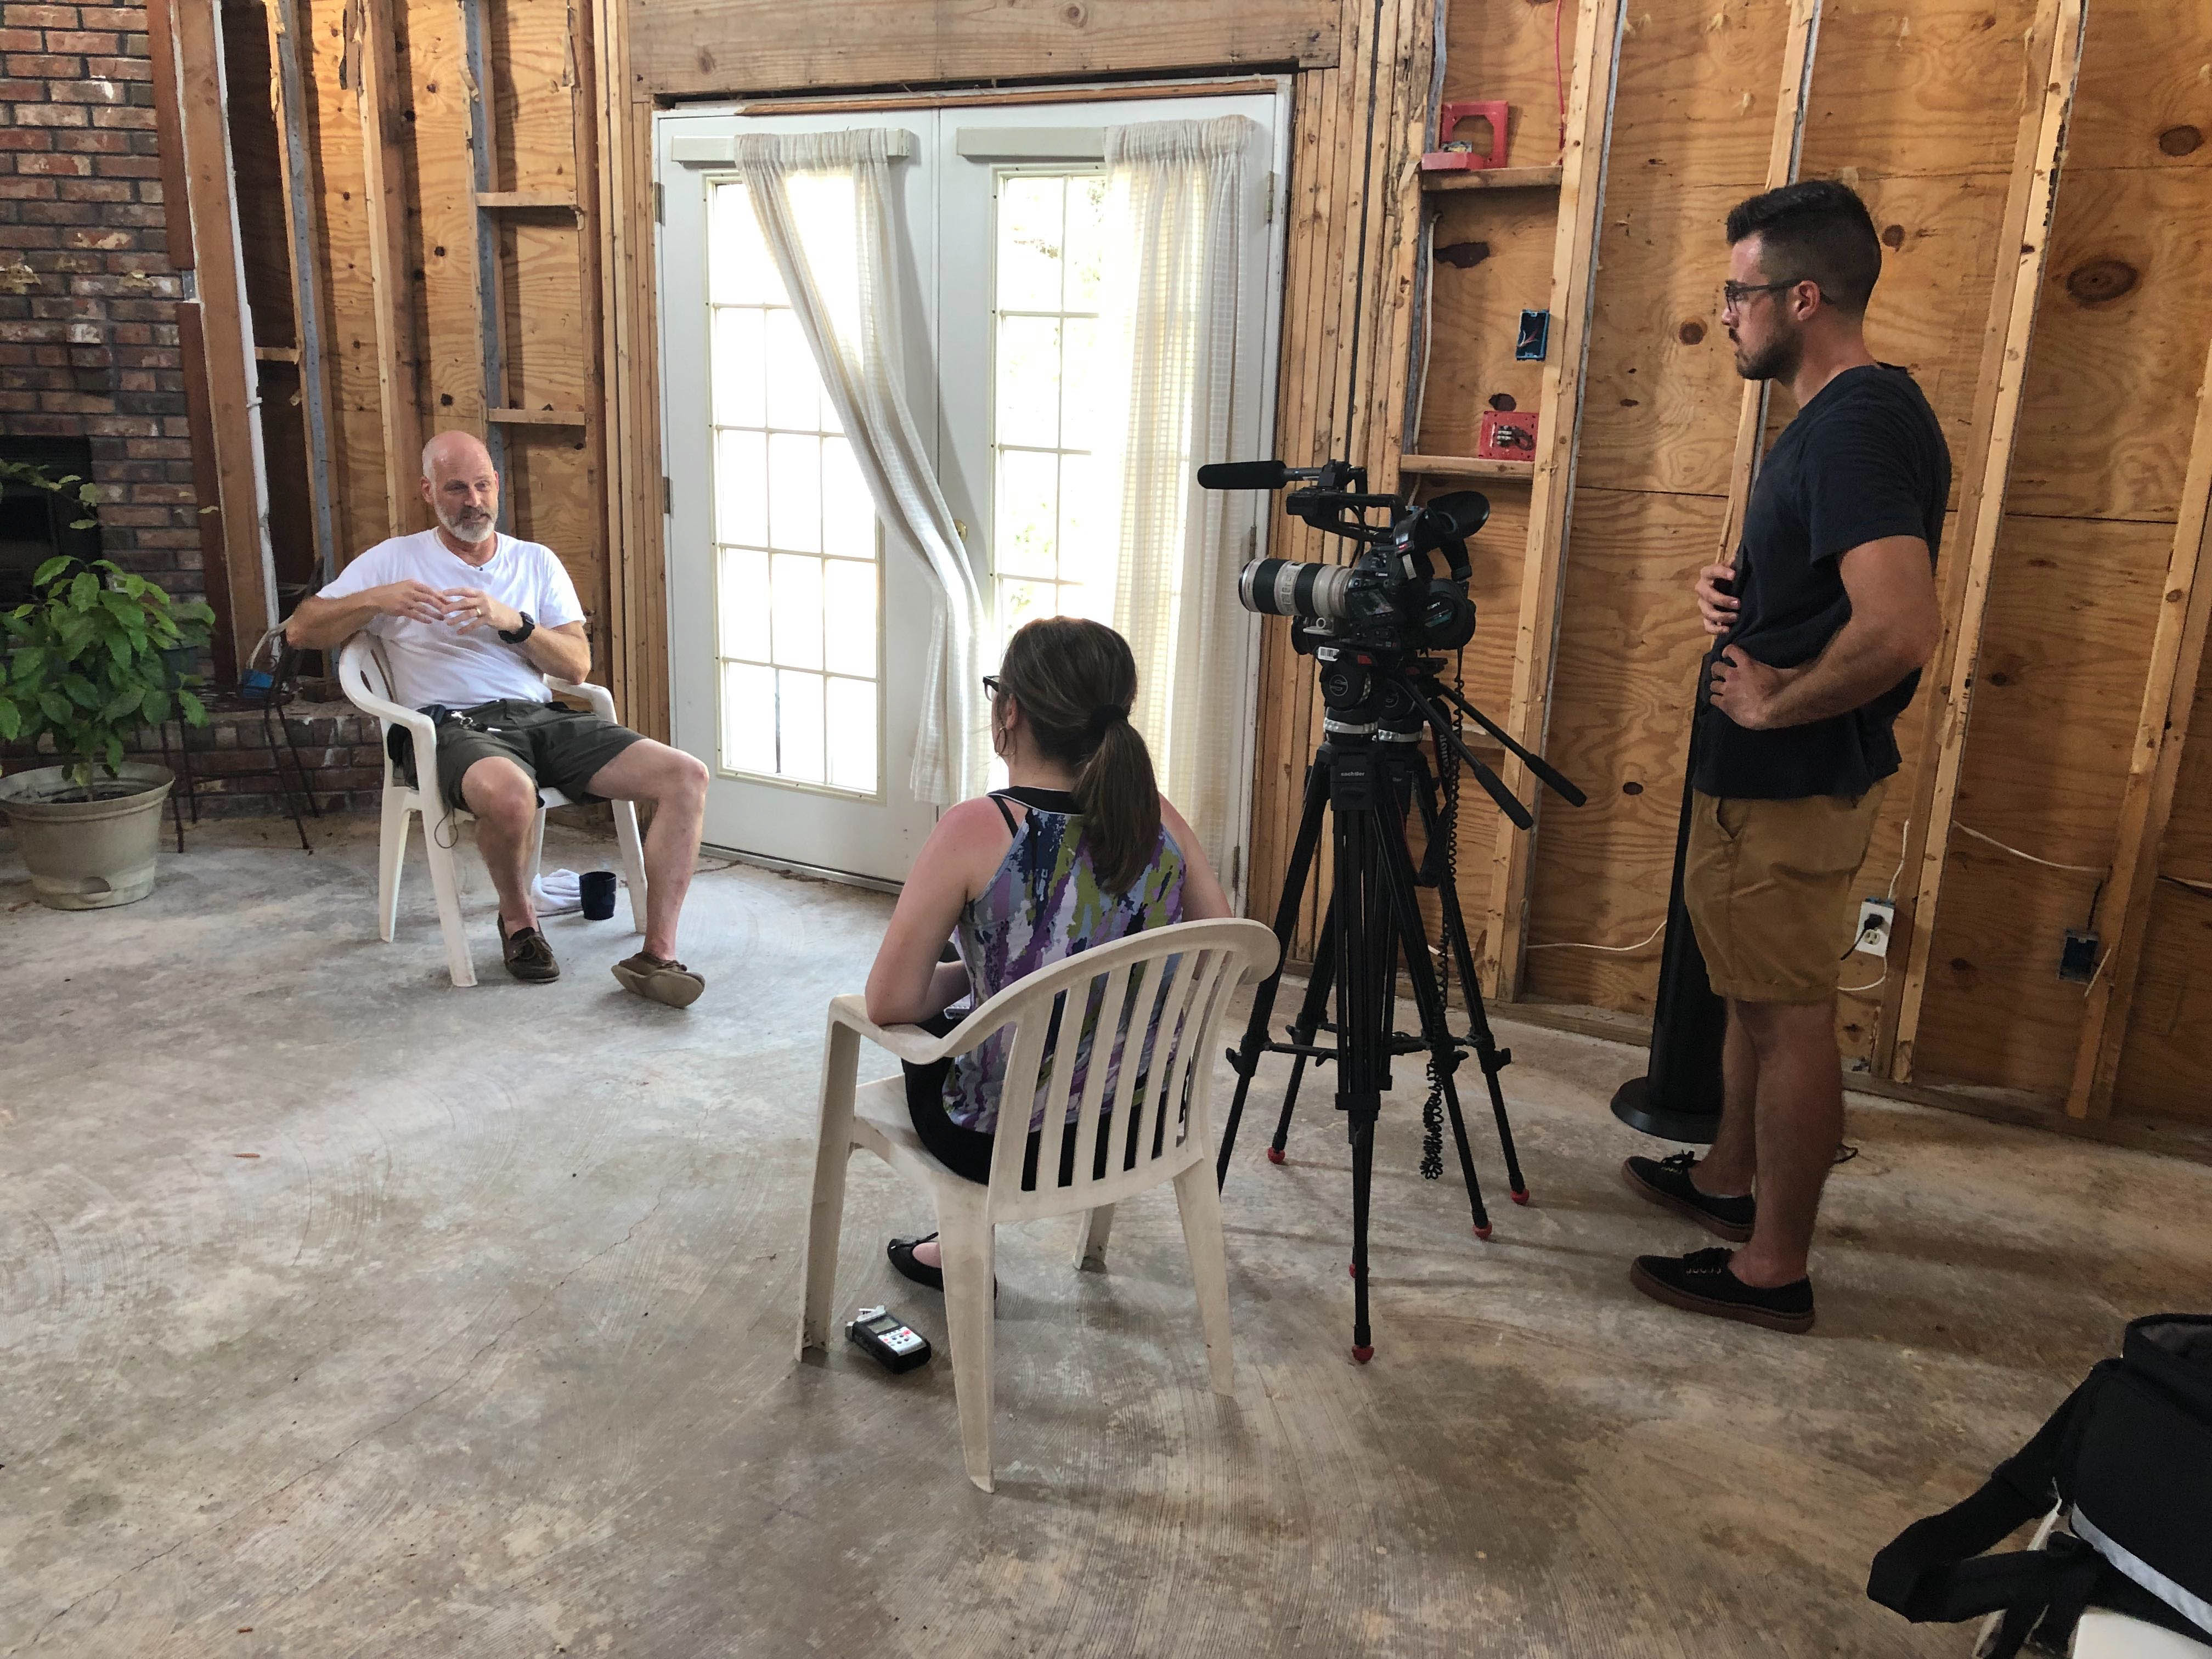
855	334
1181	201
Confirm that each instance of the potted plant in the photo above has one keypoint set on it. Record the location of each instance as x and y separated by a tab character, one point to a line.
85	667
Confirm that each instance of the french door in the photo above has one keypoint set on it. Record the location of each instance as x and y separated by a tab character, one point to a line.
800	624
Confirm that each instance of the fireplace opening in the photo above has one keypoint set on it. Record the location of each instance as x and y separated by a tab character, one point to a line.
35	523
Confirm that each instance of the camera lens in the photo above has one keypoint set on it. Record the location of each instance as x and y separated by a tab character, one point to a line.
1292	587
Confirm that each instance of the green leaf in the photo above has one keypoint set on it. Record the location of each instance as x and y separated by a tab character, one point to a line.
113	743
84	590
125	701
120	654
56	705
84	524
89	495
195	711
155	704
70	478
52	568
30	663
81	691
11	721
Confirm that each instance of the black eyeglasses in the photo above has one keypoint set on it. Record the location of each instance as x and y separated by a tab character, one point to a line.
991	684
1733	294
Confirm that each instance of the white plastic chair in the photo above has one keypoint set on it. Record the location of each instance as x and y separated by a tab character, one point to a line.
1183	1010
2101	1633
368	685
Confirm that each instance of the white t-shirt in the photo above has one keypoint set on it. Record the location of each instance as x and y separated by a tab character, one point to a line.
436	662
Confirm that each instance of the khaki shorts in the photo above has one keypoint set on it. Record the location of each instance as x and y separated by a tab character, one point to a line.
1769	889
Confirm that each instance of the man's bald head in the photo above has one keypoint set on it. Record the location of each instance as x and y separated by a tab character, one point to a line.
461	486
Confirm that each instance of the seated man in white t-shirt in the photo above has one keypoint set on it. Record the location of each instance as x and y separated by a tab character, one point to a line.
471	621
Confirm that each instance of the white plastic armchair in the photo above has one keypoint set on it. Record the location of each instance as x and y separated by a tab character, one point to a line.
1156	1034
368	685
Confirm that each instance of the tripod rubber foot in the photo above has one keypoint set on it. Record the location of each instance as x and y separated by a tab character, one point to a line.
1363	1355
1521	1195
1483	1232
1274	1155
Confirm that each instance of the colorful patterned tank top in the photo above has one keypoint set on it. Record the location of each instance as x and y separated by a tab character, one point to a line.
1043	904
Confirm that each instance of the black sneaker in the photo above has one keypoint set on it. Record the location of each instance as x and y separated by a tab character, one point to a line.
1666	1182
1700	1282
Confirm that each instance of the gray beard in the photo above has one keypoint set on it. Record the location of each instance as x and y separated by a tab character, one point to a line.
475	537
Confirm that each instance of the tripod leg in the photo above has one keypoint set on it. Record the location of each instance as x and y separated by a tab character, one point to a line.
1245	1059
1436	1023
1365	956
1491	1058
1307	1024
1363	1169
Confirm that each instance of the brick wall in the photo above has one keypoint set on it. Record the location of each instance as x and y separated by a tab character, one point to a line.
88	297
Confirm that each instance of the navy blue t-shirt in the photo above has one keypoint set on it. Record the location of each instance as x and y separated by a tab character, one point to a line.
1864	459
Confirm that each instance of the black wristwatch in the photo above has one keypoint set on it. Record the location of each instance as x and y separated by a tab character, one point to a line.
529	627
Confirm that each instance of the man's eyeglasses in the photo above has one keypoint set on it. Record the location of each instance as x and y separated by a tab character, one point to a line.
1733	294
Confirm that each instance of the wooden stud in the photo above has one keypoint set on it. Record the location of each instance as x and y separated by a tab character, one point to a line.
1466	466
446	146
2030	201
528	201
303	230
1574	276
1788	142
380	93
1439	183
192	76
2146	802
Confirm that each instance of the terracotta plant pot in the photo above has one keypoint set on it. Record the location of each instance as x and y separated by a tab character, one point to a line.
87	854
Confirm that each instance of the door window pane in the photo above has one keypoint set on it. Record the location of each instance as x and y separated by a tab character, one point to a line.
786	492
1054	515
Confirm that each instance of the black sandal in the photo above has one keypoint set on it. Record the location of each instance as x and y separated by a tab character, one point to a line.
901	1251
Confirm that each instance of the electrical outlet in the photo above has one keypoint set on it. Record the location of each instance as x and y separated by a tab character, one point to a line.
1876	916
2077	957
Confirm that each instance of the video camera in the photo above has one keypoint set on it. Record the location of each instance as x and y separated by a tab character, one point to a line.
1388	598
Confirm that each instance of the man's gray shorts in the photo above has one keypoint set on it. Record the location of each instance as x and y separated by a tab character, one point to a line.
559	747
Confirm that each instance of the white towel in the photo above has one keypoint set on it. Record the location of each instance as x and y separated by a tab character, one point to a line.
557	892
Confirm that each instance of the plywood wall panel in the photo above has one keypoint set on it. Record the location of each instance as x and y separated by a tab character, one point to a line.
2165	1069
2146	71
444	181
1928	88
547	365
1660	411
1696	99
553	497
330	35
1473	311
2112	382
532	50
1629	646
689	48
2071	611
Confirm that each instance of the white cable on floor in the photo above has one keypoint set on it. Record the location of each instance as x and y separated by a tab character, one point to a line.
1572	944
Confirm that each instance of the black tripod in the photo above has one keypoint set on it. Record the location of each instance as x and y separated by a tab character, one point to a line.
1368	772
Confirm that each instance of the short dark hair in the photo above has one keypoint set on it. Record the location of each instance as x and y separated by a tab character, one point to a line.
1816	228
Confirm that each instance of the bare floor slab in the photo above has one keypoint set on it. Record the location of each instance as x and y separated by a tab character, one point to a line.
343	1313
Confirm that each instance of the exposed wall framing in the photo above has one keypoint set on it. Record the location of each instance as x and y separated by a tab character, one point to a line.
518	303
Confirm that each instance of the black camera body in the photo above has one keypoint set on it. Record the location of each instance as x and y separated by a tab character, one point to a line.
1390	598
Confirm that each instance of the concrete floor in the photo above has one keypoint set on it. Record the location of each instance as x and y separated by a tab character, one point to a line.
345	1314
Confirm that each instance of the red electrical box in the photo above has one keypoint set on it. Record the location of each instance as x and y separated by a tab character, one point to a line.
1507	436
1458	155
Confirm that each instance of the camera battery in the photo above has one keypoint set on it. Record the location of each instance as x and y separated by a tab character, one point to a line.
894	1344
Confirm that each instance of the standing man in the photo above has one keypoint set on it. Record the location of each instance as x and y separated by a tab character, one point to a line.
1823	625
472	621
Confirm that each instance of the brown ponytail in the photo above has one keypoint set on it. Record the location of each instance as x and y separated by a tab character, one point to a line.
1074	681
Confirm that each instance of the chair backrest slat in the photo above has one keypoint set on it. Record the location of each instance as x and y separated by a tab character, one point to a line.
1147	1073
1113	1009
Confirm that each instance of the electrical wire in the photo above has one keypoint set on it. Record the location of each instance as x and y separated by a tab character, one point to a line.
2048	864
1615	950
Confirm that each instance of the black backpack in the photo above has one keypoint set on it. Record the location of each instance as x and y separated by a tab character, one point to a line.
2130	1455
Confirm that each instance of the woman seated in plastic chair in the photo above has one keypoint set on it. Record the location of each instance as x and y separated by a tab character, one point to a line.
1079	850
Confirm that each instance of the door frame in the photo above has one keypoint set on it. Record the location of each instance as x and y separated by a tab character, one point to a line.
1038	106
